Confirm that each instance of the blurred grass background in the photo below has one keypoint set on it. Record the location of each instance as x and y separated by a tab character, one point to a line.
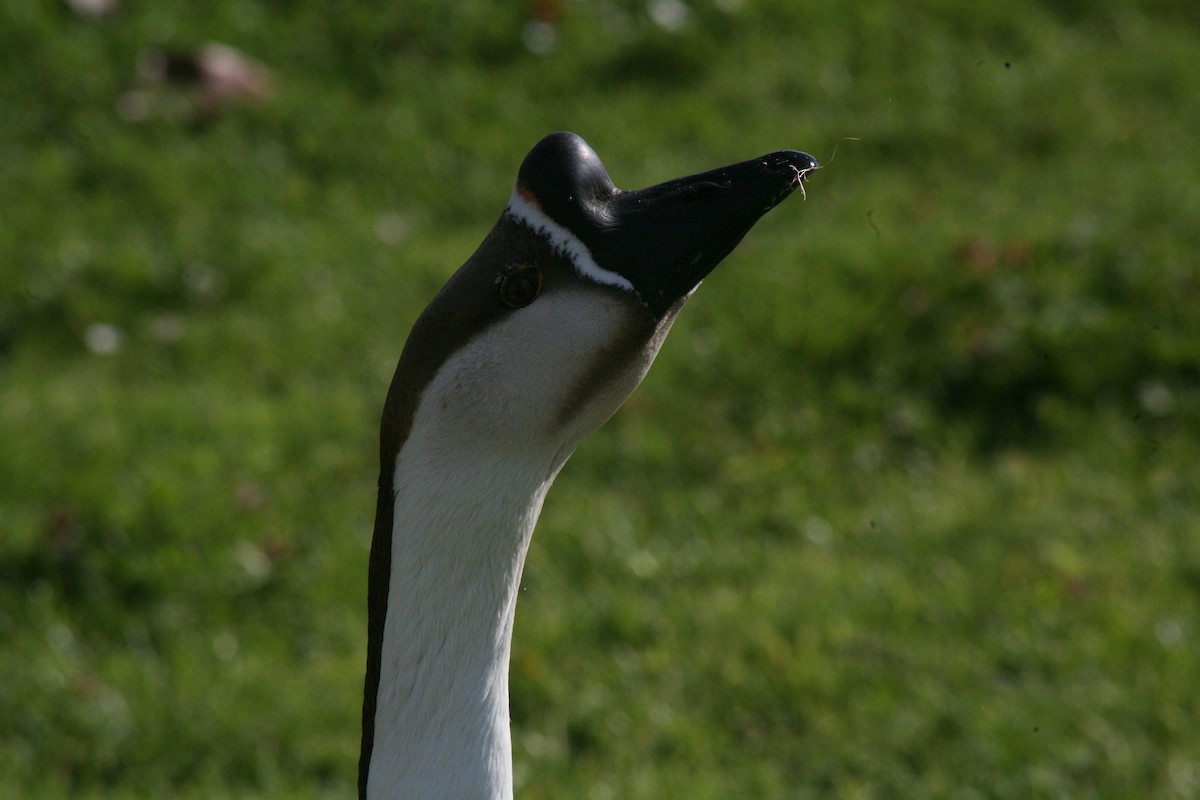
909	506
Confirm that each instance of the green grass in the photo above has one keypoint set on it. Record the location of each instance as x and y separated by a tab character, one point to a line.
909	506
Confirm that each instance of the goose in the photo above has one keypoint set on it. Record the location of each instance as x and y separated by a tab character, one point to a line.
530	346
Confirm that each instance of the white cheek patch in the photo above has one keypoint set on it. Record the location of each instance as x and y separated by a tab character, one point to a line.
563	241
507	389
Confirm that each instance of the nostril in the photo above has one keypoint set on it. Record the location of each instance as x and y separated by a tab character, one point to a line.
700	192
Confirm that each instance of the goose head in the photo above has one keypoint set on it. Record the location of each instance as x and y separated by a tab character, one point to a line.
552	322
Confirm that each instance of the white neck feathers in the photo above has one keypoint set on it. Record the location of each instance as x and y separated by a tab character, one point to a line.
460	537
488	436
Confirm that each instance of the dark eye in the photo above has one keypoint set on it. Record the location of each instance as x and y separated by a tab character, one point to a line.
520	287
